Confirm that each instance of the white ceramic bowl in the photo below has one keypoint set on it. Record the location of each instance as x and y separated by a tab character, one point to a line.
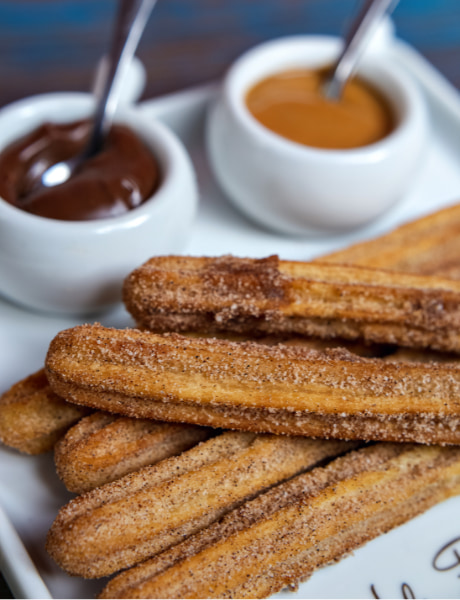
296	189
78	267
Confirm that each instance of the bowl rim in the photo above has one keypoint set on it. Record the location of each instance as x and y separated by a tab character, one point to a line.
162	142
414	111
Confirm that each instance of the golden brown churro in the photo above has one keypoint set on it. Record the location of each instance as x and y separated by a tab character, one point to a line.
101	448
33	417
270	296
282	389
122	523
423	356
427	246
282	536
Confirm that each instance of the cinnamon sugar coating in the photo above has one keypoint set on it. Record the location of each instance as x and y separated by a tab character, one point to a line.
102	447
124	522
271	296
280	538
427	246
280	389
33	417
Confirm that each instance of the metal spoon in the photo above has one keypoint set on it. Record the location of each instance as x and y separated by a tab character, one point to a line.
360	33
131	19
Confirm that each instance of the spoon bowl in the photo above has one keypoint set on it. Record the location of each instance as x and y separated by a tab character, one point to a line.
131	19
77	267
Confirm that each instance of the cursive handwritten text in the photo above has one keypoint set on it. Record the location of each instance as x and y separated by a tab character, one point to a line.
406	591
448	557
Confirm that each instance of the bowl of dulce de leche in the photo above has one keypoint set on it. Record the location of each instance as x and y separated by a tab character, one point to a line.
66	249
299	163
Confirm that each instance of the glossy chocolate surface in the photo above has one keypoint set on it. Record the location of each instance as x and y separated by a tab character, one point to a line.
118	179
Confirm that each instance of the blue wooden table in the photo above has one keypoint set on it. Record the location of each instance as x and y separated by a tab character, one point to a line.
51	46
54	45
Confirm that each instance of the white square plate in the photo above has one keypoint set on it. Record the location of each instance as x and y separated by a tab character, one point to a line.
419	559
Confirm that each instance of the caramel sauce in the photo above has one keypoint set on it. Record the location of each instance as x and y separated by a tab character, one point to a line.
118	179
292	104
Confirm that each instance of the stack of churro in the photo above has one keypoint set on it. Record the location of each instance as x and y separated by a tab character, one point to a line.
267	417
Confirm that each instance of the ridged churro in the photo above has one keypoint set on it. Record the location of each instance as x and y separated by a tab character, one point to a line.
33	417
101	448
422	356
281	389
426	246
280	538
271	296
129	520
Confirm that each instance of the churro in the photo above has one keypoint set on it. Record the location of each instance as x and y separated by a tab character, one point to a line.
101	448
33	417
124	522
281	389
422	356
425	246
271	296
280	538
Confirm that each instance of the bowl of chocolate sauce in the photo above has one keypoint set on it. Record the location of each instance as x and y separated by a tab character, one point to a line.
122	176
66	249
299	163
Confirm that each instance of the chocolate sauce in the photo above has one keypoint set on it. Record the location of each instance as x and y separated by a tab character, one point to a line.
116	180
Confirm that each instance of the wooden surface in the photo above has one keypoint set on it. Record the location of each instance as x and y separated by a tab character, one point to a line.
54	45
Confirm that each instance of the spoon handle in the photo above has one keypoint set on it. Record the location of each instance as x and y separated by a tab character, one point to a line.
360	33
131	19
